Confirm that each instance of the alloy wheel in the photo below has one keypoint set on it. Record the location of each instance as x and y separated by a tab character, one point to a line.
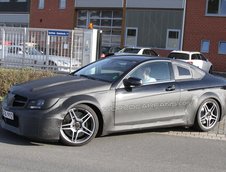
79	126
208	115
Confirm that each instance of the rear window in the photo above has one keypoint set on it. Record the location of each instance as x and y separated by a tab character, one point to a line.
180	56
131	50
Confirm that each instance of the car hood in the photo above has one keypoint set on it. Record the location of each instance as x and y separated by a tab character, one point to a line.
59	86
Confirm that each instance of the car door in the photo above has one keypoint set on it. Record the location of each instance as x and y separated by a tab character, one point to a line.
150	102
206	63
195	58
186	78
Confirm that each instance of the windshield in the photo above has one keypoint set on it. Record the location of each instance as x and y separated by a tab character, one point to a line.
107	70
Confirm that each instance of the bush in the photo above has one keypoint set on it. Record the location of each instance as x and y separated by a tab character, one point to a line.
9	77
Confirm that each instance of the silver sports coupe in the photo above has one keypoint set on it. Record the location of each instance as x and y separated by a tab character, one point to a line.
119	93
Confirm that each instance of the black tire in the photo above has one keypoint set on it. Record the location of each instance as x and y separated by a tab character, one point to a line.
79	126
207	116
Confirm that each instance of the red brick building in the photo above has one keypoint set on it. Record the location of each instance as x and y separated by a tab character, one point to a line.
49	14
197	25
205	30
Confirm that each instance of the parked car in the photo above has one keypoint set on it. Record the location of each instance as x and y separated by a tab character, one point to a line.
15	55
195	58
108	51
137	50
113	95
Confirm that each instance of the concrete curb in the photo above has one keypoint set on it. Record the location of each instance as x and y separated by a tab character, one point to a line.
218	133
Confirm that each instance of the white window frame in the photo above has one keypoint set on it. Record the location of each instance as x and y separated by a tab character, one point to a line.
62	4
219	52
109	37
202	41
134	28
176	72
41	4
167	38
219	12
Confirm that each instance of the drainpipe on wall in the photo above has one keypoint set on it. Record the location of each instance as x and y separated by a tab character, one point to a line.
123	23
183	25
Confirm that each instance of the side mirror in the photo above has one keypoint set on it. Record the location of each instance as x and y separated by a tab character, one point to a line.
132	82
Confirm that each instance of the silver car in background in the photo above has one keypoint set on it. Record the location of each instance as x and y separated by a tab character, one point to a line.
19	55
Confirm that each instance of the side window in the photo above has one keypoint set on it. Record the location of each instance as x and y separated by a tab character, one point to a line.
153	53
182	71
147	52
195	57
202	57
153	72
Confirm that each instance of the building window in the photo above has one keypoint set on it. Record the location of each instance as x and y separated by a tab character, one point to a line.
4	0
222	47
41	4
131	36
21	0
62	4
205	44
109	21
173	39
216	7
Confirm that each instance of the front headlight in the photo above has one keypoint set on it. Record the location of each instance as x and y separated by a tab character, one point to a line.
36	104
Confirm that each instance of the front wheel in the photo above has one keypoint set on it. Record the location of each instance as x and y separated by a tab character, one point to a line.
208	115
79	126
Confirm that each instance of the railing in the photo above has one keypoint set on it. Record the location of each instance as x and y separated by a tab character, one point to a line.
61	50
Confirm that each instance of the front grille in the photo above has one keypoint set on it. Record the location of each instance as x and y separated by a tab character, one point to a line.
19	101
15	100
14	122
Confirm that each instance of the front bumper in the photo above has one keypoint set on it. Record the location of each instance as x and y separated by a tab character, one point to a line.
35	124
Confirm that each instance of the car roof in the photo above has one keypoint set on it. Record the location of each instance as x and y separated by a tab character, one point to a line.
138	47
144	58
185	52
138	58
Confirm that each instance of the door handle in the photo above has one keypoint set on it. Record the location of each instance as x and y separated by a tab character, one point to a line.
171	88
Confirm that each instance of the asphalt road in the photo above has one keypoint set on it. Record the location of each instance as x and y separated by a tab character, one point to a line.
131	152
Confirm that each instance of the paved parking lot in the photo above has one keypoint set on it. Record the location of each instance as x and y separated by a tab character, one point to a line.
219	132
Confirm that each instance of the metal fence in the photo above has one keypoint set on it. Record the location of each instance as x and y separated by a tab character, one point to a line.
60	50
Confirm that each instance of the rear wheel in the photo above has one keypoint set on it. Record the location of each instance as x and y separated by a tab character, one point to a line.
79	126
208	115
